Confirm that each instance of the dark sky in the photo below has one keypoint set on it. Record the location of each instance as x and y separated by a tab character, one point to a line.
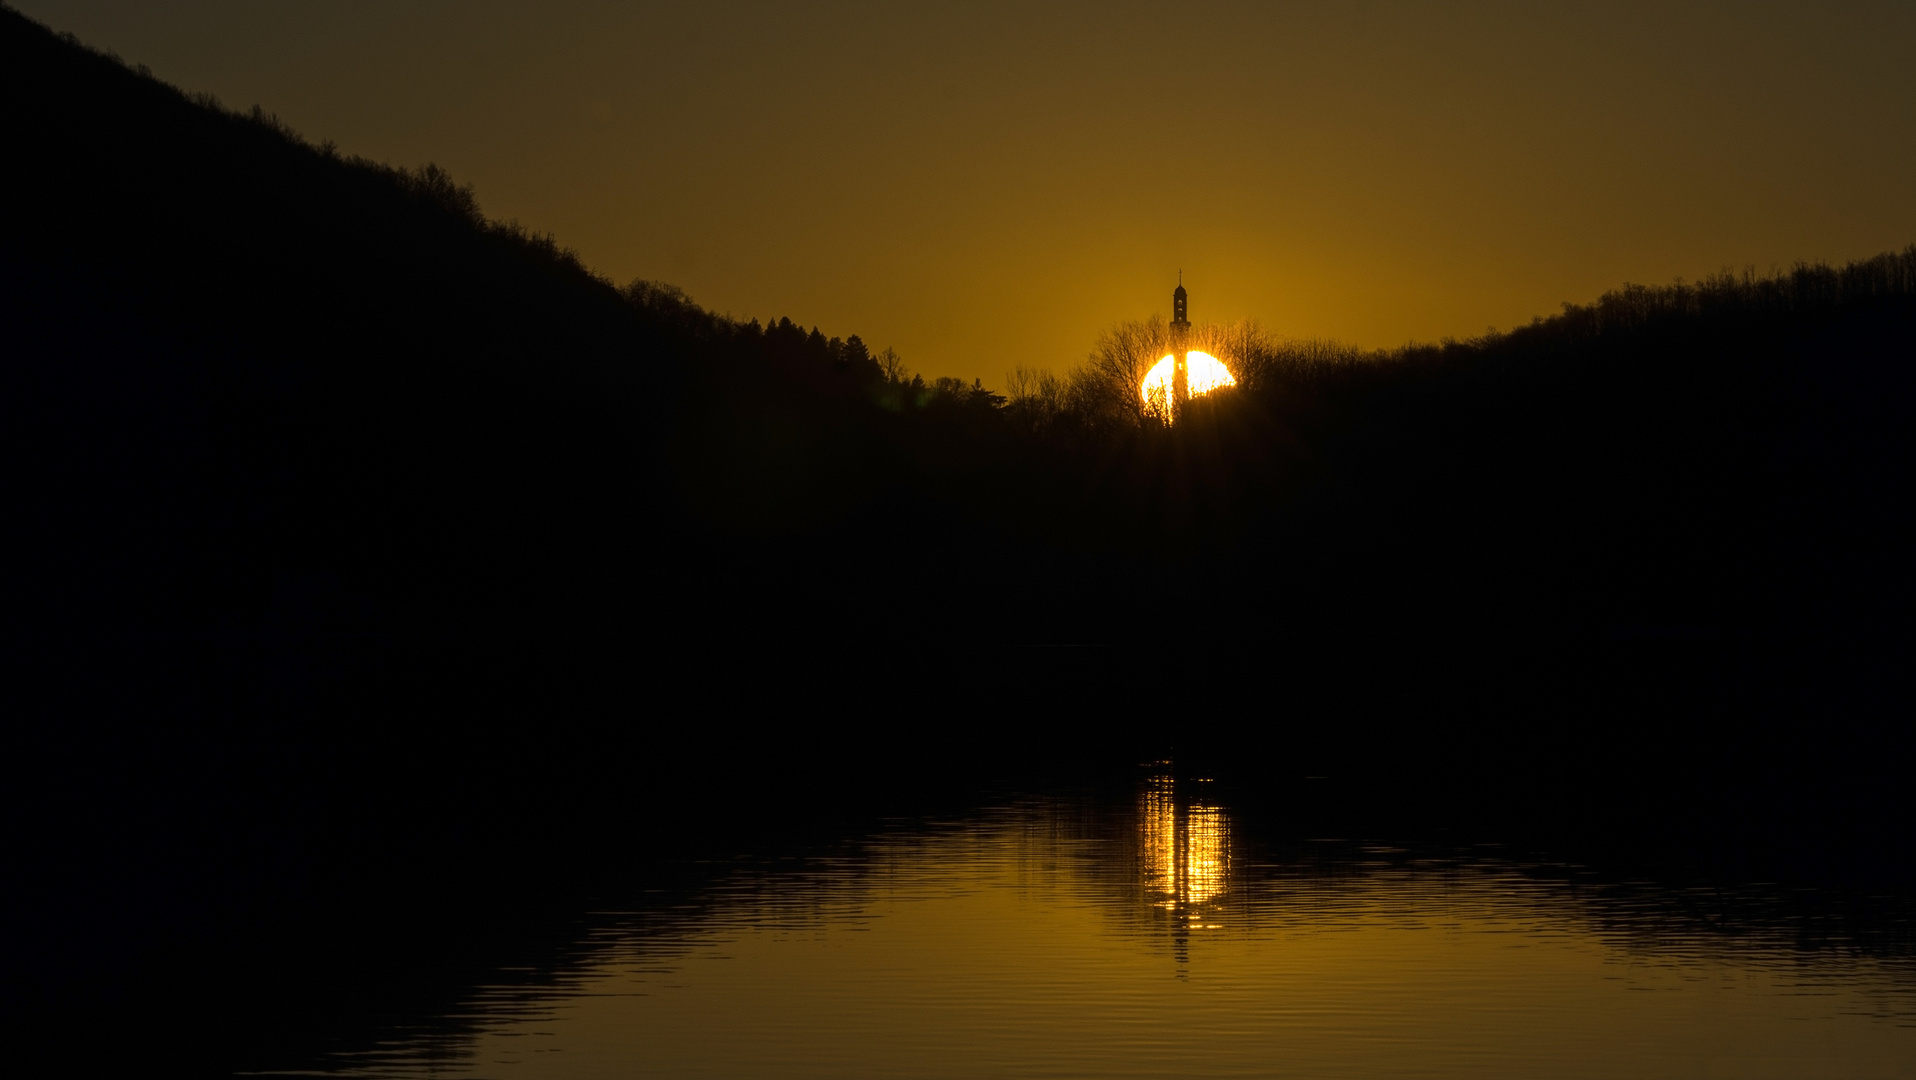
987	184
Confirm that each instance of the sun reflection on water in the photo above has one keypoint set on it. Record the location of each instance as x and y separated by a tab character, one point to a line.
1031	940
1186	850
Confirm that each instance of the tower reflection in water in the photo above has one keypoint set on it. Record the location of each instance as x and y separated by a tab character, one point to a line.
1186	852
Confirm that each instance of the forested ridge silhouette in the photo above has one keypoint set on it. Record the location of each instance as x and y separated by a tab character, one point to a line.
260	391
267	387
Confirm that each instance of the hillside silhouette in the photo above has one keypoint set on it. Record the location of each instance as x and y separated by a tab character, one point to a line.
282	423
1714	457
266	387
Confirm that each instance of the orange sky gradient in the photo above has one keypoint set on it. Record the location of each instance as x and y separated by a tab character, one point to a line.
984	184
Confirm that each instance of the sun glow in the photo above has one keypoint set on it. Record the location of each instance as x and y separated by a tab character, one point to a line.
1205	373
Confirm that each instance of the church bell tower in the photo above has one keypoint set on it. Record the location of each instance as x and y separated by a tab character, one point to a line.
1180	349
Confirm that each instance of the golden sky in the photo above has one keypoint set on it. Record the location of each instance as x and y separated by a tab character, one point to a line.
985	184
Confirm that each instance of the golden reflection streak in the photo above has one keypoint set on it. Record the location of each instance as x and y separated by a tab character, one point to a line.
1204	854
1160	821
1186	862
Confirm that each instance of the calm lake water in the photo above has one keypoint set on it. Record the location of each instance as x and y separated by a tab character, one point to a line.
1148	935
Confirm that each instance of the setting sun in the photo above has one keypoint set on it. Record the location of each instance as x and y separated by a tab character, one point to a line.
1207	373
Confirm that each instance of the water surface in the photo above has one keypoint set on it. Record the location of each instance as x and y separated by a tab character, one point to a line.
1149	936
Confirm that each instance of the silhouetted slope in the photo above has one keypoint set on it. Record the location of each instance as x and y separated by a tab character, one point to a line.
260	386
257	381
264	387
1722	457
